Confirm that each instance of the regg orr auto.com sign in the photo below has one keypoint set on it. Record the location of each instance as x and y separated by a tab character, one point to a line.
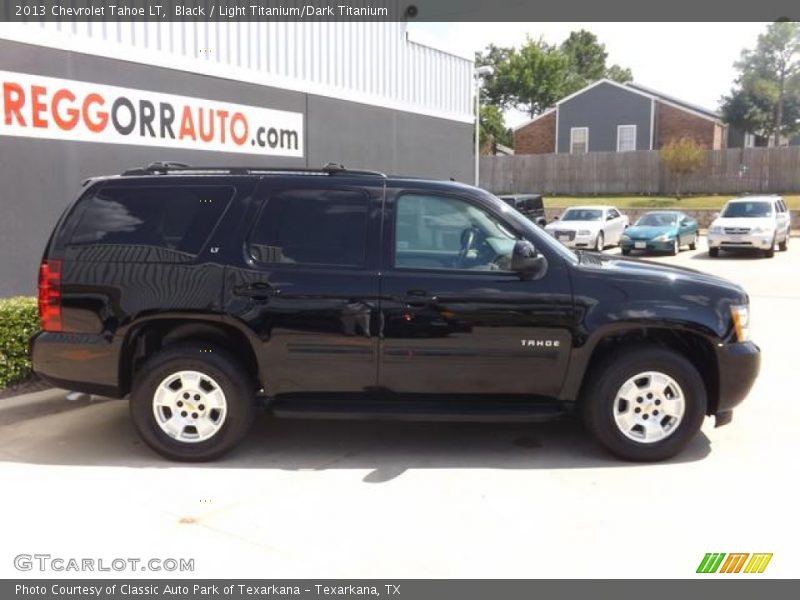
33	106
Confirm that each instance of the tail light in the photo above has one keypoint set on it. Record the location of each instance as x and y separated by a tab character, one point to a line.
50	295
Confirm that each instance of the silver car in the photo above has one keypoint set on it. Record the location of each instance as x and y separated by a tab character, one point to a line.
756	222
592	227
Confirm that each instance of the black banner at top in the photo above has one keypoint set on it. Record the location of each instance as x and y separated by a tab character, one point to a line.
395	10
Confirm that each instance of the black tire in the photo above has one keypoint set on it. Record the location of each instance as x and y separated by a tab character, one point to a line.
605	380
693	243
771	252
237	386
713	252
600	242
626	251
784	245
676	248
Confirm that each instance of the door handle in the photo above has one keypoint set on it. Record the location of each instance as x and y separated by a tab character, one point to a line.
259	290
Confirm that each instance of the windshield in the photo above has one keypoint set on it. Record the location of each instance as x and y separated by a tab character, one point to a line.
657	220
748	209
583	214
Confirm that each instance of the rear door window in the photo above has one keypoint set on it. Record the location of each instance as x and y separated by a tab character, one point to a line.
312	227
532	204
175	219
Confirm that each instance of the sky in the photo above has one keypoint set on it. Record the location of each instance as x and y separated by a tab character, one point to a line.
691	61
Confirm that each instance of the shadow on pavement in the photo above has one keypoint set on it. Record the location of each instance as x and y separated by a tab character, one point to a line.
102	435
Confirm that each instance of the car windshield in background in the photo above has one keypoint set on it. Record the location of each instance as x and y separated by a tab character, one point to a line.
582	214
748	209
657	220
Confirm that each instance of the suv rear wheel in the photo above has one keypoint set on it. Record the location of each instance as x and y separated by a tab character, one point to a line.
192	402
784	245
771	252
644	404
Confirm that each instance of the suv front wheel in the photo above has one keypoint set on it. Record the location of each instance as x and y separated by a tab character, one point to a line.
192	402
644	404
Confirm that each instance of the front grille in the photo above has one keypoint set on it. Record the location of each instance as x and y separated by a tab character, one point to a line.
560	233
737	230
724	243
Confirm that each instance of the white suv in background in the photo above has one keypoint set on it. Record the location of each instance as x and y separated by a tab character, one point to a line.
757	222
593	227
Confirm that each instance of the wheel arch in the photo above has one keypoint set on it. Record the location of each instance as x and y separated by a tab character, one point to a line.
150	334
693	345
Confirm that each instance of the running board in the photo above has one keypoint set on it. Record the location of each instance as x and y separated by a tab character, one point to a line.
504	411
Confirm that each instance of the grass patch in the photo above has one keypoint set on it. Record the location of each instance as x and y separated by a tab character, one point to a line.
690	202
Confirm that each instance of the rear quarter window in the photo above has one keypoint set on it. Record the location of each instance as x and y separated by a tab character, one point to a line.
533	204
160	223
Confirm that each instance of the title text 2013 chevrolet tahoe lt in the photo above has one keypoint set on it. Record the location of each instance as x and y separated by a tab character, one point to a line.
201	292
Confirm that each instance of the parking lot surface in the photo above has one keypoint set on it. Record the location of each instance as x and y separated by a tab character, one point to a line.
370	499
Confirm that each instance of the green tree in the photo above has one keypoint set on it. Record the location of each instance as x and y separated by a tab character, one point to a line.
766	96
493	129
681	158
586	58
619	74
535	76
493	56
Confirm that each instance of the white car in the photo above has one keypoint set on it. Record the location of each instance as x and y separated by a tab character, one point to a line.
757	222
592	227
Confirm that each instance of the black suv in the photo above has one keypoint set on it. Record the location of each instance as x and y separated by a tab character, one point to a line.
530	205
200	293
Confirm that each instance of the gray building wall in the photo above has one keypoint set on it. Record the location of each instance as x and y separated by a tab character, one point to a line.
38	178
601	109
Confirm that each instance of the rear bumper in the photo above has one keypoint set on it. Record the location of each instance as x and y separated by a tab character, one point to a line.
77	361
739	365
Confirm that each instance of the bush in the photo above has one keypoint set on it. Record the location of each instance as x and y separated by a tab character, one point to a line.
682	158
19	320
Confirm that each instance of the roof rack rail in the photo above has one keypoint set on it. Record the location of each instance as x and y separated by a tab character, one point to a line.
167	167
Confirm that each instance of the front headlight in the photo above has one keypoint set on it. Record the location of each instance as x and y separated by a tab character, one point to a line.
758	230
625	237
741	322
715	229
584	232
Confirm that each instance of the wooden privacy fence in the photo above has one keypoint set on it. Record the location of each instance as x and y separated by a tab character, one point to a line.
734	171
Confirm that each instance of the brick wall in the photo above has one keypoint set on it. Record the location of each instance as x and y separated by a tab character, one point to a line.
538	137
673	124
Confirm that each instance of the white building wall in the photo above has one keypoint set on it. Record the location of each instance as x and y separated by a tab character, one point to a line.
369	62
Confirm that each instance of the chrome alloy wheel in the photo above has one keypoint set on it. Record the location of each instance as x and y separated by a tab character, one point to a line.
649	407
189	406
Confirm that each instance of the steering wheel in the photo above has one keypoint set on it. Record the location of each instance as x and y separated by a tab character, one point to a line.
467	240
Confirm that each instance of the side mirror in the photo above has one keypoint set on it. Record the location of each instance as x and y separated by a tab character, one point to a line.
556	217
526	261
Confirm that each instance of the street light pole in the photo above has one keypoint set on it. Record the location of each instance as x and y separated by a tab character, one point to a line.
484	70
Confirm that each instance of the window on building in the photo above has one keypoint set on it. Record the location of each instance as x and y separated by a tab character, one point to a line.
312	227
749	140
626	138
579	140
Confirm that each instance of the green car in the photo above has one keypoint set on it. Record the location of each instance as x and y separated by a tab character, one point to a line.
660	231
